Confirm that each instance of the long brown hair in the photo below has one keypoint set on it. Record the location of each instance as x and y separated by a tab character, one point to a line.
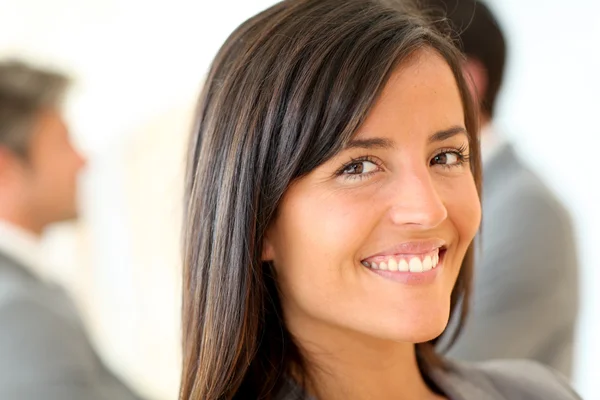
284	94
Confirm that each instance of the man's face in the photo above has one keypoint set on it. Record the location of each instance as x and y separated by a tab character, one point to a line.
51	170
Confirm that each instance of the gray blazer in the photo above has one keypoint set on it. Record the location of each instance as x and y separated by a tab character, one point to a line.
44	350
525	293
497	380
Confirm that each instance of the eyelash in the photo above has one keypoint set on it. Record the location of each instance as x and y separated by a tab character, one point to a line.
459	152
357	160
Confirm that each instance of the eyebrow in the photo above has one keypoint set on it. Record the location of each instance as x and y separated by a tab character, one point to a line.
447	134
384	143
371	143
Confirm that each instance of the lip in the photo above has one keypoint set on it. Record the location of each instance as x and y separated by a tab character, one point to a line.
410	278
413	278
414	247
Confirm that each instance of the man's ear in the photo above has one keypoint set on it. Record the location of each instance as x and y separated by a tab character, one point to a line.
477	78
8	163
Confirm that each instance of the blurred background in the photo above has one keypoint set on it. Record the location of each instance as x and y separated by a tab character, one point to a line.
138	67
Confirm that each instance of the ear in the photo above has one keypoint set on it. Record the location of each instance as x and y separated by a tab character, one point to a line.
477	78
8	163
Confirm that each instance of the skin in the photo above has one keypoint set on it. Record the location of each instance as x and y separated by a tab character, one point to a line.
358	328
42	188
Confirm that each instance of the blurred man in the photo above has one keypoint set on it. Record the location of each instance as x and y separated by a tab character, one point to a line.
44	350
525	289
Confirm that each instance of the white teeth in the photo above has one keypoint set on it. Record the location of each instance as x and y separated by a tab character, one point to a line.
415	265
392	265
403	266
427	263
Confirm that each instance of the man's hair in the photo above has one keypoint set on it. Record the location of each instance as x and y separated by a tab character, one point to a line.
479	37
25	91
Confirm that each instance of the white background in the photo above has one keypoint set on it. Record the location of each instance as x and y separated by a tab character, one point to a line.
138	66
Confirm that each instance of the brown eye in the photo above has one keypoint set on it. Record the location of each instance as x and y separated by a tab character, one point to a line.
446	158
360	167
354	169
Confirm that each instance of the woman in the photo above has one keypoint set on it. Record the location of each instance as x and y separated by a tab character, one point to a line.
332	201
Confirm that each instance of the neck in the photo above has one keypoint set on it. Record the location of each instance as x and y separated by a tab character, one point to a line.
344	364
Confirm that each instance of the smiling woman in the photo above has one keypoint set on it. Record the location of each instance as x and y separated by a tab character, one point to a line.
404	196
332	200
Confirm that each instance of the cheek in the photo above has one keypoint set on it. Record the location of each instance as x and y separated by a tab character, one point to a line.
316	238
57	173
464	208
320	232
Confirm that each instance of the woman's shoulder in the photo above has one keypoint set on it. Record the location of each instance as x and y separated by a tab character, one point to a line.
515	380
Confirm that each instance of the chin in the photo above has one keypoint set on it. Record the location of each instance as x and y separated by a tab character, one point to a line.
427	333
417	329
71	215
415	334
65	218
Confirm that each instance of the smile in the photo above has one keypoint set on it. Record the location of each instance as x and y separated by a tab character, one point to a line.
405	262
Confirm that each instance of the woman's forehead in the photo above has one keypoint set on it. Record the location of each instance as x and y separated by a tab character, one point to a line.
420	98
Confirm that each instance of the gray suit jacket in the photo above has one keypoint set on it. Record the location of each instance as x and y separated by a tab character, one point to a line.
44	350
497	380
525	293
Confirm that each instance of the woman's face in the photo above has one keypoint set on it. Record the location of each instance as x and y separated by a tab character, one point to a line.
372	241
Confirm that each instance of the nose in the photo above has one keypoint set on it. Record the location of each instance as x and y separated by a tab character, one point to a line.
81	160
417	202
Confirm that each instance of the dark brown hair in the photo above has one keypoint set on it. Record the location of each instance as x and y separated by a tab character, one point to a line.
285	93
480	37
